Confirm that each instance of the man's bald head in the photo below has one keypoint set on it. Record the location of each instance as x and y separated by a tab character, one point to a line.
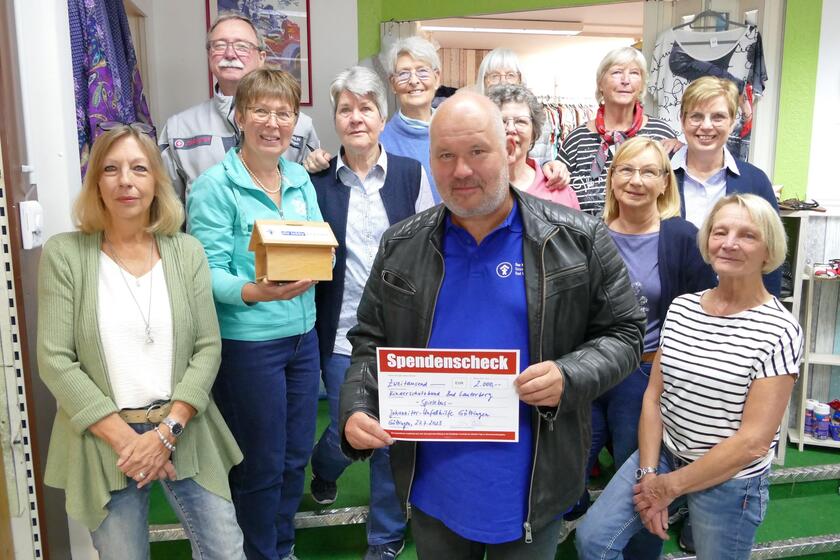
465	103
469	156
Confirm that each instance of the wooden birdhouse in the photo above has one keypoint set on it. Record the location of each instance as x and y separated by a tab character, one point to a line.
287	251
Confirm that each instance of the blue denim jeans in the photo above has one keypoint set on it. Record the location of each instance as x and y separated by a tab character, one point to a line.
386	522
268	394
615	417
209	520
724	518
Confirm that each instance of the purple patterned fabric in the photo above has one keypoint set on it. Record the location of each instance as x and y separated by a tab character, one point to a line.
106	79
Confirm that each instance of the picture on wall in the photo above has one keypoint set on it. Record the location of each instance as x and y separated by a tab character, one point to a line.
285	28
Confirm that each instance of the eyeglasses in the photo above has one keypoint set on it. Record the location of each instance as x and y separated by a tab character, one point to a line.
261	115
424	74
496	77
140	127
521	123
219	46
718	119
648	174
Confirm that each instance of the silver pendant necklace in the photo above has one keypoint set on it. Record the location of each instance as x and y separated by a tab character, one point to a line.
147	318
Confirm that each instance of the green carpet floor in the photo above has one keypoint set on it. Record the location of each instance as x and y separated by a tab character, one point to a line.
795	510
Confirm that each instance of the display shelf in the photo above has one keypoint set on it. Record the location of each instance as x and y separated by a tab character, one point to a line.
809	440
819	359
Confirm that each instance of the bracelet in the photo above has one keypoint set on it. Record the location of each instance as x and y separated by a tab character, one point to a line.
166	443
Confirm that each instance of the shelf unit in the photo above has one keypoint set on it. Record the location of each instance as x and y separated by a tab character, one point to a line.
800	259
811	359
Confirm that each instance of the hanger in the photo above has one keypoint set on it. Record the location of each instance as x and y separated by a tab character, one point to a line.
710	13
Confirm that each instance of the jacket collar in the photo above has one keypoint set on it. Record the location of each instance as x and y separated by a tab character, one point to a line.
535	225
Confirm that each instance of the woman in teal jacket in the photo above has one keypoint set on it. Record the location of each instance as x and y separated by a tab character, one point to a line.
267	387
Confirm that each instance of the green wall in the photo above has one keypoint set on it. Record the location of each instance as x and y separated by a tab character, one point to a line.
796	96
799	64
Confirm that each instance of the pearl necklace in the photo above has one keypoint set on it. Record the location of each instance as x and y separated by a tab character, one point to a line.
256	179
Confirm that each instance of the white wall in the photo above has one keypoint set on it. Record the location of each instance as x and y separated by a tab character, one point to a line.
49	107
178	62
822	173
566	67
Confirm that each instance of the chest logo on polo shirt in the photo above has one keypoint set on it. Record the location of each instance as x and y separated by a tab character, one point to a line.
194	142
504	269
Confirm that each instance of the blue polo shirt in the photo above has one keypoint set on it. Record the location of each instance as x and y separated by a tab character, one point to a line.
480	490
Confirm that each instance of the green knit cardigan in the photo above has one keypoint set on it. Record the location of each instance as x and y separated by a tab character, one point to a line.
71	362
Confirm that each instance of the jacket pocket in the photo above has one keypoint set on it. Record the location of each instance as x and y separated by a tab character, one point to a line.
396	282
566	279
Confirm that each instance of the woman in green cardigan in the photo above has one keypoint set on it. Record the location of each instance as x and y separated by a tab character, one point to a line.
128	343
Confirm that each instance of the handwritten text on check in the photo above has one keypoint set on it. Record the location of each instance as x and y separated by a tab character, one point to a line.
448	395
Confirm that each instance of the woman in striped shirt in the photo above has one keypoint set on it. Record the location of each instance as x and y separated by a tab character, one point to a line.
721	380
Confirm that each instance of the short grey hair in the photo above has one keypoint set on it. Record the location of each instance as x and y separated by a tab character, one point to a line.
227	16
495	60
362	82
515	93
621	55
766	220
415	47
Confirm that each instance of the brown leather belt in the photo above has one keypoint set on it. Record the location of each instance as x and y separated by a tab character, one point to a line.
154	413
648	357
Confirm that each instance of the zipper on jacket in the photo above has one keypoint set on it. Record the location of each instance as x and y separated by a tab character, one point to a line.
527	525
428	338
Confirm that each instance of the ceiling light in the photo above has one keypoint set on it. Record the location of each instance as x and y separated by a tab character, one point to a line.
500	30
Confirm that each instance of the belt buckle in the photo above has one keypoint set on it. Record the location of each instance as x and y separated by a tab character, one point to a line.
152	407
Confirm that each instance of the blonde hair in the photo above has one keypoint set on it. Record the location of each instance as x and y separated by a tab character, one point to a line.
705	89
668	203
765	218
266	83
166	214
620	56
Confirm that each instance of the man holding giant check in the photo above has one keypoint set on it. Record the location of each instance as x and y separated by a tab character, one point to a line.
487	327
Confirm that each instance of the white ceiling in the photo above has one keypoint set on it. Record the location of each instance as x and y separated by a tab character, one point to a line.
624	19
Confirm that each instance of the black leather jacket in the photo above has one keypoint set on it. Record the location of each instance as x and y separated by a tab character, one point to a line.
582	314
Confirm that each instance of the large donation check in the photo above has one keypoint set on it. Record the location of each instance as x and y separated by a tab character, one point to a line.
448	395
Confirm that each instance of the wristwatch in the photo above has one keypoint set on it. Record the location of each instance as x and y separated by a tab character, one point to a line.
175	427
640	472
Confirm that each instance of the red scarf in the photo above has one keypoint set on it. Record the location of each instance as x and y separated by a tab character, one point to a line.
609	137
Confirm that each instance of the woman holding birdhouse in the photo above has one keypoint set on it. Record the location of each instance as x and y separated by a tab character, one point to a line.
267	387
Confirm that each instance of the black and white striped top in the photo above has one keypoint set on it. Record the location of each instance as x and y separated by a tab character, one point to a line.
708	364
578	152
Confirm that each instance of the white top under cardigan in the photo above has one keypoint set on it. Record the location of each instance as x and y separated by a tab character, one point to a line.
139	373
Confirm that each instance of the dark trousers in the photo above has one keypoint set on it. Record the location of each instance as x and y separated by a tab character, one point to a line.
268	394
436	541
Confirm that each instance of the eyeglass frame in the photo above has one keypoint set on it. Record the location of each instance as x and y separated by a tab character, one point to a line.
251	46
496	77
506	120
621	169
409	72
276	114
697	119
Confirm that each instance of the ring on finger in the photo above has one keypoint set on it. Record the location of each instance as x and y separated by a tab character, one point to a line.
142	475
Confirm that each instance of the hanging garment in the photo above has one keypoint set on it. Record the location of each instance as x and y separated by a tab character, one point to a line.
681	56
106	79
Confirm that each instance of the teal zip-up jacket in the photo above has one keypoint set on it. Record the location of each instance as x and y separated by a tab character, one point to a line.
222	206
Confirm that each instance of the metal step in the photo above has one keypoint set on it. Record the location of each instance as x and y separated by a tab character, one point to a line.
786	548
358	515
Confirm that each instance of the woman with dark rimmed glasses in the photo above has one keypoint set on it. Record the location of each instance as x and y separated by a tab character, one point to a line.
267	387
